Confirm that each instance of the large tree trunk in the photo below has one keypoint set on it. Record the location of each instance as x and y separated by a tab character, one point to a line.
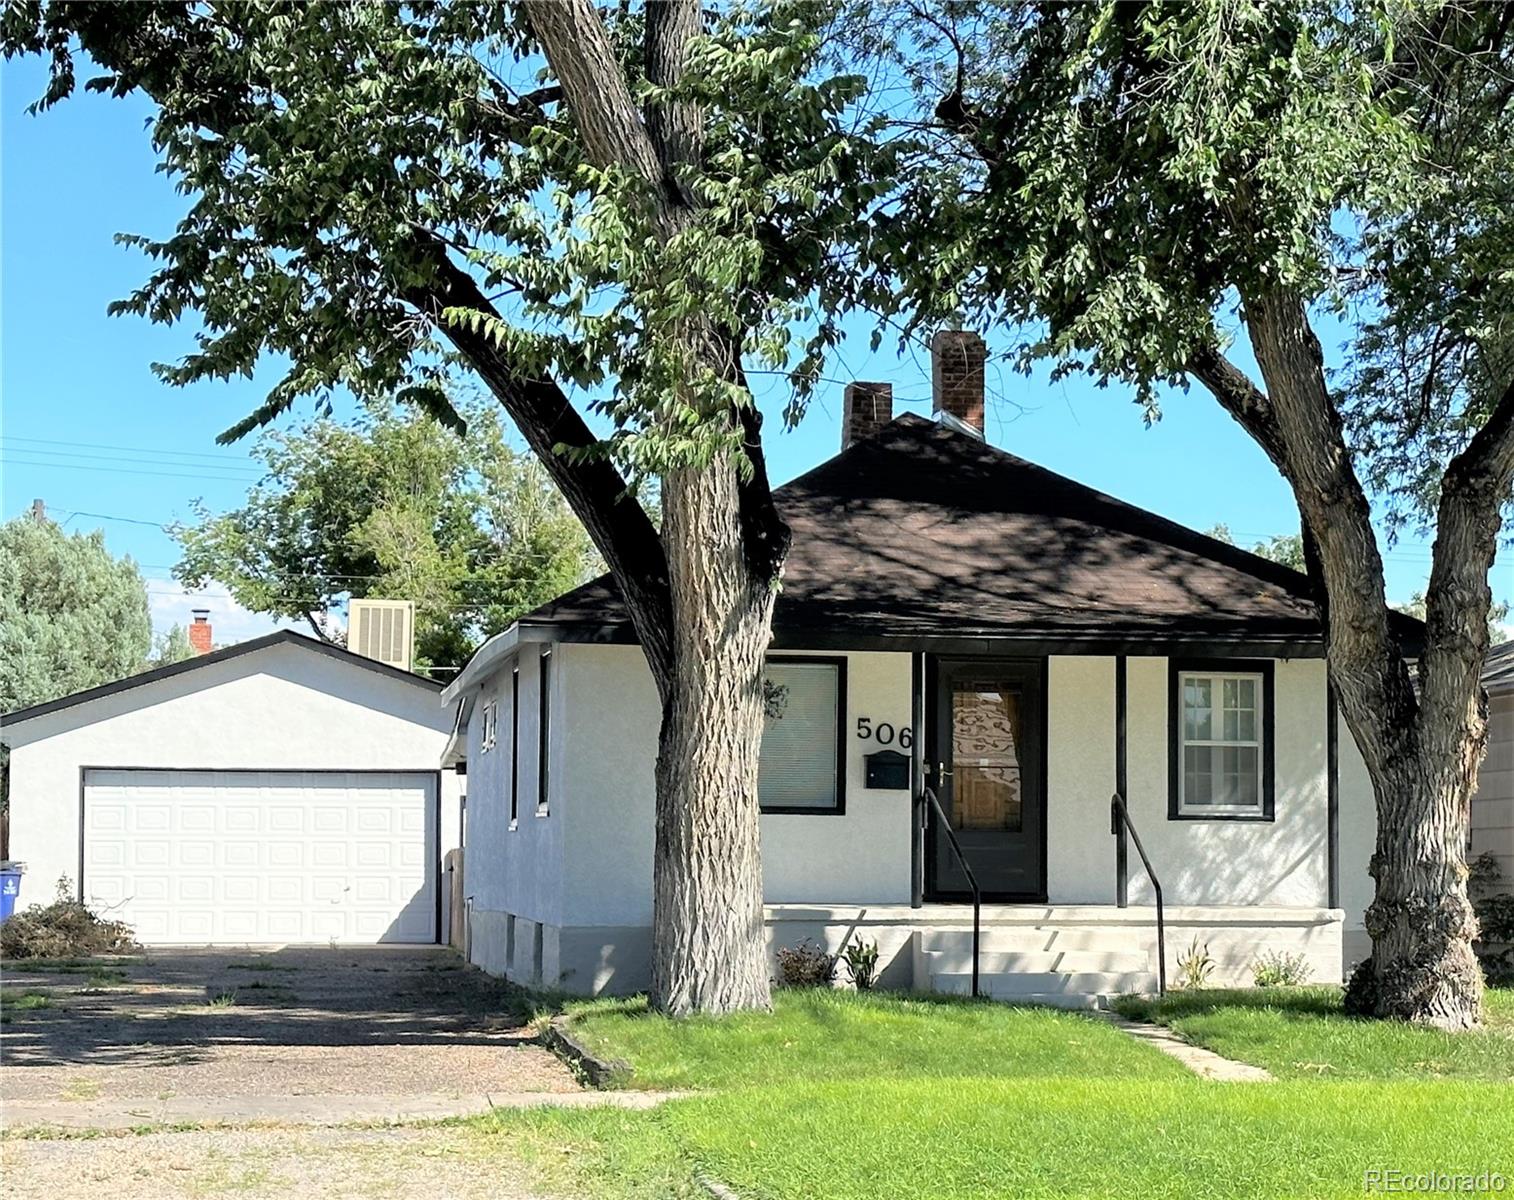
724	546
708	945
1422	967
1420	752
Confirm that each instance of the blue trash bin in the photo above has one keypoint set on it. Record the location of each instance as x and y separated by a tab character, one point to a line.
10	888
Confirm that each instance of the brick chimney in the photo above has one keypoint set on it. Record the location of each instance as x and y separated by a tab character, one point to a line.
956	368
865	409
199	631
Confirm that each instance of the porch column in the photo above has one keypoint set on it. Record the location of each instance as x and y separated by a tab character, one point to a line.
1121	850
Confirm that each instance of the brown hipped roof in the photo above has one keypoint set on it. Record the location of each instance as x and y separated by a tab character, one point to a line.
924	532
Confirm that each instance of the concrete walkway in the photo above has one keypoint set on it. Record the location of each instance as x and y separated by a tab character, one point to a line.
323	1110
1197	1059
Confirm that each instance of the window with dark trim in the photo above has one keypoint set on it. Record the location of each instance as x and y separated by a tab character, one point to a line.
543	729
514	746
801	767
1220	740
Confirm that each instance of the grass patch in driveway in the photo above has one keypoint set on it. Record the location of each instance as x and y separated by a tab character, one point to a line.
28	1001
69	966
259	965
823	1034
1304	1033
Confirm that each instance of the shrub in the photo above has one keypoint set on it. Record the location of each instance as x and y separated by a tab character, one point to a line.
66	928
862	962
1279	969
805	965
1195	965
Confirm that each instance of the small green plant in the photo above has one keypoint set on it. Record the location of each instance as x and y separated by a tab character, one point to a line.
223	999
1277	968
30	1000
1195	966
862	962
805	965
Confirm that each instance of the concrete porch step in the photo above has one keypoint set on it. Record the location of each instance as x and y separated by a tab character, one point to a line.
1024	986
1035	939
1014	962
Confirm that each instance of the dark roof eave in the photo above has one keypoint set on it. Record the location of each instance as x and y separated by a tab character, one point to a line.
1235	641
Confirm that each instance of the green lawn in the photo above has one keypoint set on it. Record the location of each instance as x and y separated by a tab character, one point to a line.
842	1097
1302	1033
826	1035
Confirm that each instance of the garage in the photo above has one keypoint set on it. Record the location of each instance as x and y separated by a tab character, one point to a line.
282	791
263	856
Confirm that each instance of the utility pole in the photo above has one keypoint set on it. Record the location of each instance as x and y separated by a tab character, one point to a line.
39	511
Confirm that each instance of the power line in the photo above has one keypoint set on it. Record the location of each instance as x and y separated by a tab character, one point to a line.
141	459
64	466
129	449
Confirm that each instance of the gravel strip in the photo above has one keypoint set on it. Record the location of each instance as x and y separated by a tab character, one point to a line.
264	1164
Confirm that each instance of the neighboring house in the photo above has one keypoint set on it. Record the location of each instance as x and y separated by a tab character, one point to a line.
280	790
1493	802
957	618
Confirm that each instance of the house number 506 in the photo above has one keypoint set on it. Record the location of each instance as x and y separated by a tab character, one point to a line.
885	734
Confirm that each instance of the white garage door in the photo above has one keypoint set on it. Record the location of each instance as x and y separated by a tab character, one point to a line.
203	857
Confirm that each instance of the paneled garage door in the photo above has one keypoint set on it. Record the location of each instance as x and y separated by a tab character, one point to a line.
203	857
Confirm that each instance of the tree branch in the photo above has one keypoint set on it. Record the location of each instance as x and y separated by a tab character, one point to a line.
580	54
1473	492
616	134
1366	659
1242	399
553	428
152	56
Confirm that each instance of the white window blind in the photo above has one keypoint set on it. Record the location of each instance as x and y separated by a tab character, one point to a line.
798	764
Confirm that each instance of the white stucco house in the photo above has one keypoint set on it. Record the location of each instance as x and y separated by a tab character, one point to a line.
1493	802
282	790
956	622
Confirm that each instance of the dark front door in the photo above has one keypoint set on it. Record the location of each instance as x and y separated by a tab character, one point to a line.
984	754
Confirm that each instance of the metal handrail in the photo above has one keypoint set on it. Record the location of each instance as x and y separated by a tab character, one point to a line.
972	880
1120	815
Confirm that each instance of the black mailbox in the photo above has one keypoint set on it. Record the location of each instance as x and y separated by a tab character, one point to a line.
887	769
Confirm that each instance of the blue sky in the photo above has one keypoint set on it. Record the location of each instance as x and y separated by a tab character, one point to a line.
87	427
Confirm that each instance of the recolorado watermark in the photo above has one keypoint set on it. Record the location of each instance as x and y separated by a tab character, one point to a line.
1432	1183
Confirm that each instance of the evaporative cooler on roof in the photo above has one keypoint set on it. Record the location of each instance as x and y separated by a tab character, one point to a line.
383	630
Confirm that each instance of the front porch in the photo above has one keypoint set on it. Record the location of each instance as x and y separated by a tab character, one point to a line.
1071	955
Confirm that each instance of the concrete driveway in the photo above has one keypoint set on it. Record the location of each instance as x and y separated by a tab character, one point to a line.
303	1035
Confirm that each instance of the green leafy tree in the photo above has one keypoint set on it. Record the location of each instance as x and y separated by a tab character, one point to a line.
397	507
1136	185
1497	615
634	203
171	647
1285	548
72	615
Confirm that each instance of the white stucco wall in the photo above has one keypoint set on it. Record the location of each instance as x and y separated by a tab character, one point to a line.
1080	777
1493	803
517	867
1278	862
1358	839
585	871
859	856
279	708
